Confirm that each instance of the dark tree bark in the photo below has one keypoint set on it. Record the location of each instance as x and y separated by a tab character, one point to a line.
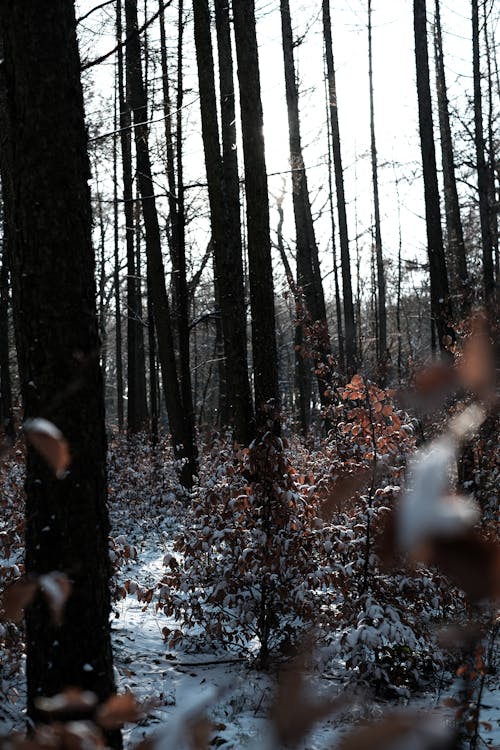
345	260
440	300
179	402
135	400
382	308
6	414
264	354
338	300
308	269
482	167
223	189
492	150
116	273
52	267
455	235
142	398
302	370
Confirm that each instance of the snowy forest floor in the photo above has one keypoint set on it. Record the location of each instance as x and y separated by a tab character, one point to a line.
180	681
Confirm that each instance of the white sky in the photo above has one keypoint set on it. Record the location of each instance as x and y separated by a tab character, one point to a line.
395	108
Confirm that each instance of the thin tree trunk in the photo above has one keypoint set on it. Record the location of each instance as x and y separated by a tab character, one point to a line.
54	297
382	305
350	327
6	414
440	300
224	216
308	269
456	246
177	253
180	414
142	399
134	420
265	359
116	272
492	158
482	167
338	301
302	370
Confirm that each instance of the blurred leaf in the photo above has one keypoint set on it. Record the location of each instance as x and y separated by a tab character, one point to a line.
17	597
119	709
56	588
50	443
70	700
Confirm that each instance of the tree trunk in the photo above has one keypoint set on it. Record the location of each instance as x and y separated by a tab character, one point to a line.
52	265
223	196
116	260
264	354
382	352
140	354
482	167
345	261
455	236
308	269
180	414
134	418
6	414
492	156
440	300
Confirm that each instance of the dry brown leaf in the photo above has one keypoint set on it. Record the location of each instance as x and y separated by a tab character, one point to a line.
199	733
345	487
397	732
17	597
477	370
472	562
294	714
56	588
50	443
119	709
69	701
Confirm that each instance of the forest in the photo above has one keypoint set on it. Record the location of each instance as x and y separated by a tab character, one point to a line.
249	390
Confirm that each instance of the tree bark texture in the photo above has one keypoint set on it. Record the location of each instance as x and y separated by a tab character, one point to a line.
454	230
345	260
52	267
264	354
223	189
308	269
179	403
440	301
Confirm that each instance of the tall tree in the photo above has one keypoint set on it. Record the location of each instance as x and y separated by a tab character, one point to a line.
136	416
178	399
440	299
45	163
223	189
481	164
6	414
489	44
382	309
264	354
345	260
308	268
116	274
454	230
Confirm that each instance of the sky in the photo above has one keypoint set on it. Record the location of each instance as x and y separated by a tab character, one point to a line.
396	121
